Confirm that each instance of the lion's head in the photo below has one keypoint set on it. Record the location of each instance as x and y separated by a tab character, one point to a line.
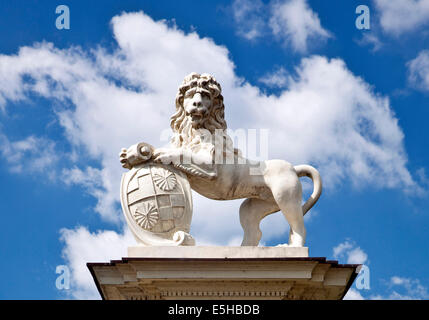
199	108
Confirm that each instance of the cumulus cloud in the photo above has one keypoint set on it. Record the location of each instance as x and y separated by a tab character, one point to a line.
357	133
349	250
353	254
325	115
397	288
353	294
96	182
32	154
407	289
400	16
401	288
82	246
371	40
296	24
337	109
418	71
276	79
248	15
292	22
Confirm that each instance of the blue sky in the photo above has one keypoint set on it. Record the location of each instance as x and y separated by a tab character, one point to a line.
351	102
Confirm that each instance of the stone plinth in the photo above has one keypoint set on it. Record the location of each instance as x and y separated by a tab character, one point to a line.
217	252
222	273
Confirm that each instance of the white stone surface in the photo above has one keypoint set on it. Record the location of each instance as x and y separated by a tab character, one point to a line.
211	279
202	149
216	252
157	204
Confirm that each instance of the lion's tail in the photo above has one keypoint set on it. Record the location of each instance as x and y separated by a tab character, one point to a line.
304	170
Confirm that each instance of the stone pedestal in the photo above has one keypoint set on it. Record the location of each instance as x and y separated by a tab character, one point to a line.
163	273
217	252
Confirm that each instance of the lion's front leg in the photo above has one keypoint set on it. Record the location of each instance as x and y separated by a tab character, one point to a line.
182	156
168	155
195	164
252	211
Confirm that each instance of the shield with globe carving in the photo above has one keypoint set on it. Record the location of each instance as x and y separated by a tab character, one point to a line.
157	203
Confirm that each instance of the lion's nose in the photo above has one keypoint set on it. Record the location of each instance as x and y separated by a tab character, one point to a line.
197	100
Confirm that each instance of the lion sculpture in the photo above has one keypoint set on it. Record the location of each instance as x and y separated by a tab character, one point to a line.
202	149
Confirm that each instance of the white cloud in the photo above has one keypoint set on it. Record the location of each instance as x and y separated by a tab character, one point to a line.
292	22
97	183
248	16
90	178
353	253
296	24
399	288
413	288
357	133
353	294
276	79
370	39
404	289
341	248
357	256
400	16
82	246
422	177
418	71
32	154
215	222
326	116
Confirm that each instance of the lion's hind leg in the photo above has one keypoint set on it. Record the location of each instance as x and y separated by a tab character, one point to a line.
252	211
286	189
289	201
294	216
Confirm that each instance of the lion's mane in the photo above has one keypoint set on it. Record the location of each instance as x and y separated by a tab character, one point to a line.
187	136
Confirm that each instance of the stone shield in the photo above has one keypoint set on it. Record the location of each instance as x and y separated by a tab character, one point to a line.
157	203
